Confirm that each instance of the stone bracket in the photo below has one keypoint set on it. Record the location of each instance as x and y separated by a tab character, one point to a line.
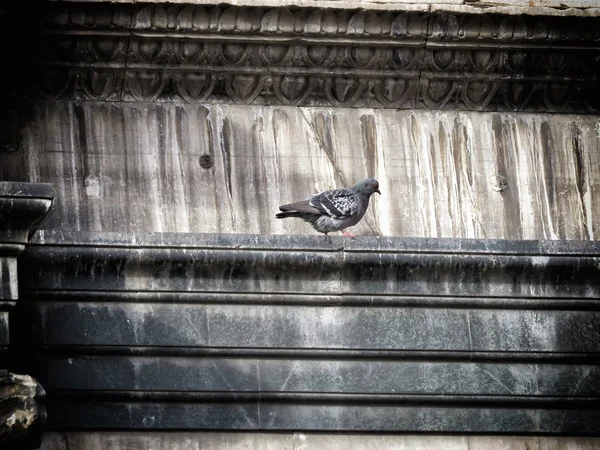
22	207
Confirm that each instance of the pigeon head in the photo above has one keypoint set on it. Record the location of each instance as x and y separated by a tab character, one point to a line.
367	186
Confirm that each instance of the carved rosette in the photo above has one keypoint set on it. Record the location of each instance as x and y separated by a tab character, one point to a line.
305	56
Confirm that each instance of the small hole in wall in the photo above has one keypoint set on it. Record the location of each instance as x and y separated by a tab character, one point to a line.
206	161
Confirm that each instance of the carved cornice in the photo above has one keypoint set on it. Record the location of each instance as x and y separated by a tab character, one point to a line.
304	56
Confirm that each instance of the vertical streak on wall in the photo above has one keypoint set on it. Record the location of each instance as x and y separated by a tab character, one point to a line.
136	167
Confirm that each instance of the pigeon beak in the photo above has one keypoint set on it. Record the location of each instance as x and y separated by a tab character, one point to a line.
379	192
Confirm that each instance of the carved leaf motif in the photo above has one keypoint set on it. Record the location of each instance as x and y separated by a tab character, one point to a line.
443	59
344	87
517	95
391	88
98	84
234	53
149	51
403	57
189	51
478	94
351	55
104	49
319	54
363	56
291	90
556	96
518	61
343	90
274	54
393	93
195	87
556	62
437	93
244	88
145	85
483	60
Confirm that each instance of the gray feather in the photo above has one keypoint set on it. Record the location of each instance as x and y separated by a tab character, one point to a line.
333	210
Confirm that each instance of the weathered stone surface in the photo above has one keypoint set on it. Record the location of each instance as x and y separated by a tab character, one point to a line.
21	416
345	417
246	332
305	441
135	167
430	58
210	374
4	333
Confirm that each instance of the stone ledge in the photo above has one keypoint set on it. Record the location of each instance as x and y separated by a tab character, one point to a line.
306	441
246	332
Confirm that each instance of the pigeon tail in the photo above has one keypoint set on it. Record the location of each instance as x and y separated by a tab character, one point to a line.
286	214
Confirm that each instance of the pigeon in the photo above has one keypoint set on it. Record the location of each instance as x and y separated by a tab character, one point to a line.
333	210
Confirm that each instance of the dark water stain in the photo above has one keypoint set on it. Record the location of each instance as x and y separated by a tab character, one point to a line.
547	145
162	120
80	121
462	132
580	175
84	154
324	130
506	167
368	129
226	153
259	175
225	147
459	164
181	122
433	171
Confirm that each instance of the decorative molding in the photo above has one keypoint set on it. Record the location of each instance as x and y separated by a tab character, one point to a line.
159	331
307	56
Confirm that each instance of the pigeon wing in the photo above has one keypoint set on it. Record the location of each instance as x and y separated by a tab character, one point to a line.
338	203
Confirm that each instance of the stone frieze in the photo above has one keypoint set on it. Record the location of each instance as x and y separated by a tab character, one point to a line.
321	57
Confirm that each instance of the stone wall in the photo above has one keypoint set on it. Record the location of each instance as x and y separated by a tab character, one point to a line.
141	132
139	167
